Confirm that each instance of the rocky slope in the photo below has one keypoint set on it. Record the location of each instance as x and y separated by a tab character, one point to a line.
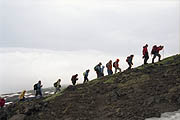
143	92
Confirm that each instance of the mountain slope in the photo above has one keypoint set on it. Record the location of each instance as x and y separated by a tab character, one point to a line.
143	92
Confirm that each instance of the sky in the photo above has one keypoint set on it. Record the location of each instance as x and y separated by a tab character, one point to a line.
46	40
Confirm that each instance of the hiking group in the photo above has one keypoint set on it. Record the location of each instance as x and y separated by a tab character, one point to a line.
99	69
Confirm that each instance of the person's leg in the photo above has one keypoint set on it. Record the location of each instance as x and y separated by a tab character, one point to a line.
84	79
40	92
108	71
129	65
115	70
36	93
97	74
153	58
159	56
111	72
119	69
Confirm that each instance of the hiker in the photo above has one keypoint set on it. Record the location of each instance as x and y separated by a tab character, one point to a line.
145	54
74	79
21	96
155	52
129	61
85	74
116	66
57	86
109	67
37	88
102	71
97	68
2	102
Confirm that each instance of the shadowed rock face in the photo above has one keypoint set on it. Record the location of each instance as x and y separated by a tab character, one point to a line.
143	92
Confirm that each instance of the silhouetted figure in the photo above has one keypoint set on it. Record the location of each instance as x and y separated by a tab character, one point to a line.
57	86
129	61
116	66
145	54
22	95
109	67
155	52
74	79
97	68
37	88
85	74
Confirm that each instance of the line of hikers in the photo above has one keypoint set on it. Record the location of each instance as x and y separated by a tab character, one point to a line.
99	68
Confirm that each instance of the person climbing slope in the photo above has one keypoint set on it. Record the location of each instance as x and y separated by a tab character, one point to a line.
109	67
85	74
74	79
37	88
145	54
22	95
97	68
129	61
116	66
57	86
155	52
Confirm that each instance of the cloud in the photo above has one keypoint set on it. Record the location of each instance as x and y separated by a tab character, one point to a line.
21	67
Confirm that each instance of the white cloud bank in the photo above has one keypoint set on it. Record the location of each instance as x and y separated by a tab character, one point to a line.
21	67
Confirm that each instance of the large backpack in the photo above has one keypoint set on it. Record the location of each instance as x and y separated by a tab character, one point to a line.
96	68
127	59
114	64
154	49
55	84
84	73
35	86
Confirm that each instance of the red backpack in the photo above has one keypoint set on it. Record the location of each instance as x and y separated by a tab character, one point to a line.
154	49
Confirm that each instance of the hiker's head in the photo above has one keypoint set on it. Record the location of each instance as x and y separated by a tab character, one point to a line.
76	75
132	56
146	45
39	82
110	61
100	63
117	60
59	80
24	91
88	70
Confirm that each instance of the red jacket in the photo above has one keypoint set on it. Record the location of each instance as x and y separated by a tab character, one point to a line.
145	50
2	102
158	49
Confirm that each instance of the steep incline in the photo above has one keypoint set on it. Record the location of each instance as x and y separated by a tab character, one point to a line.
143	92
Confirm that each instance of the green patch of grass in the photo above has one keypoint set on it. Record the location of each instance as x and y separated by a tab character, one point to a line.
166	60
109	81
136	82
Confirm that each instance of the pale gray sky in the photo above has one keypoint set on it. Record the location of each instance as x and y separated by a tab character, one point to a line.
31	31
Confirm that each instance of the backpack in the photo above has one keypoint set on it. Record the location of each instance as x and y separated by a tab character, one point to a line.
55	84
84	73
114	64
96	68
107	65
154	49
127	60
35	86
